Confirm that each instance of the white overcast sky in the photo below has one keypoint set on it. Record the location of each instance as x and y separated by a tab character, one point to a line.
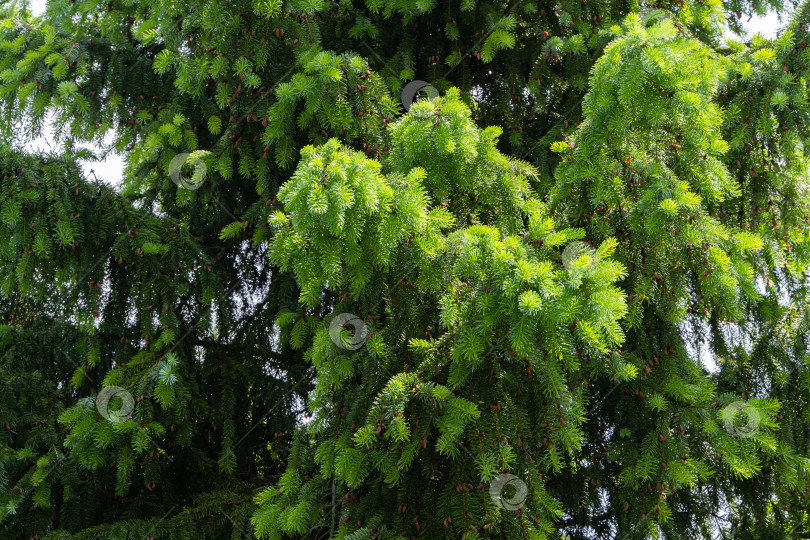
111	168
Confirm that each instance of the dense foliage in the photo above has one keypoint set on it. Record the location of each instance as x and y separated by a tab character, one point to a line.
540	267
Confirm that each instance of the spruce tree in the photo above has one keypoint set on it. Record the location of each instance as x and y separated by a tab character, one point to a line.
316	311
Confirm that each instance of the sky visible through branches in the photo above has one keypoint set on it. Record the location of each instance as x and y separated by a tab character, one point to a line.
111	168
400	206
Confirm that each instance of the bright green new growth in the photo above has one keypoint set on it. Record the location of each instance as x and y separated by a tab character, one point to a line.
655	148
651	148
582	270
504	310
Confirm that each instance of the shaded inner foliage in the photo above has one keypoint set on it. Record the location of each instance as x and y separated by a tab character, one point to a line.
678	157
